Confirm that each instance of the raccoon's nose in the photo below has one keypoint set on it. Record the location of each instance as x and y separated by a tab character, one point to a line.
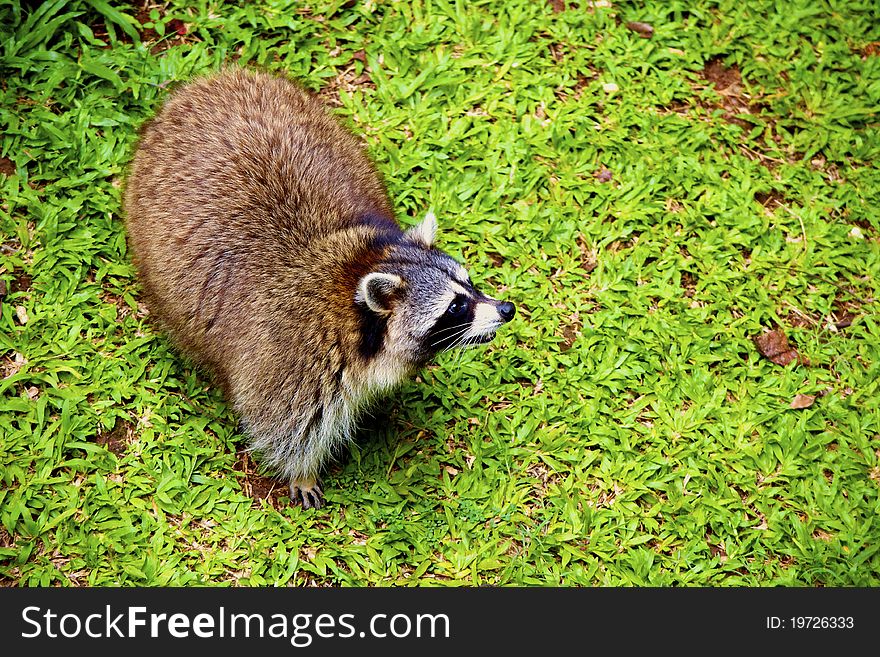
507	310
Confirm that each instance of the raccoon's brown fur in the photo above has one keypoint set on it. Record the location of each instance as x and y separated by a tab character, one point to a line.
194	205
253	217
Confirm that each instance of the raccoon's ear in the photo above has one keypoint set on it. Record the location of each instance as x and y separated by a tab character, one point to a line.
375	290
424	232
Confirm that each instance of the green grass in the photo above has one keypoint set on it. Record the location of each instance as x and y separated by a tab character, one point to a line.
623	430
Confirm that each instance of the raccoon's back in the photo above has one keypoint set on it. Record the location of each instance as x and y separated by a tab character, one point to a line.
254	154
231	190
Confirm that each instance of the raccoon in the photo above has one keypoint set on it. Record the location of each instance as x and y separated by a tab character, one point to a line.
266	246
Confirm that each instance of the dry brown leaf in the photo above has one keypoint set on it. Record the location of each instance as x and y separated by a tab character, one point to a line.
178	26
7	166
802	401
871	49
774	346
644	30
9	368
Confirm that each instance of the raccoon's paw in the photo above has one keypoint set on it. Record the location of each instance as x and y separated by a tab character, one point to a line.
307	492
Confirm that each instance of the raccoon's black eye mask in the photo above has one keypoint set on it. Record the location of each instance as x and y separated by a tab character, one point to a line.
459	306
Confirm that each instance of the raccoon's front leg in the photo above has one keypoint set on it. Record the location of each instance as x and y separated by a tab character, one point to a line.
307	492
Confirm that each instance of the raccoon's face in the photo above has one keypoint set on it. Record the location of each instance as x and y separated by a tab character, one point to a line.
427	301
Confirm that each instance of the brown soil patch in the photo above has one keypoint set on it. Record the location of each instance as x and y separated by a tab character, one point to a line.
589	260
176	30
495	258
622	245
865	225
256	486
770	200
728	83
7	166
557	51
571	331
688	283
798	319
717	550
21	282
845	308
725	79
118	438
575	92
543	474
6	540
734	102
348	79
11	364
828	169
123	310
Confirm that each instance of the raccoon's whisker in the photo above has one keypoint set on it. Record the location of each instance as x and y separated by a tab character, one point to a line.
460	347
452	328
462	330
459	355
453	339
459	341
